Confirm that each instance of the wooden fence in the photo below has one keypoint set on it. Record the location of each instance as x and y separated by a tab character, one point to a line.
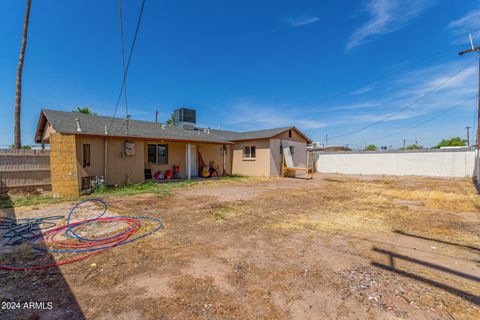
27	170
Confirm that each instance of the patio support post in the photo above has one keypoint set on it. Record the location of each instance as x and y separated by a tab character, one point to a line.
189	162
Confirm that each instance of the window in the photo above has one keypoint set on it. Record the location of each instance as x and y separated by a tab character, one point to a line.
152	153
292	150
289	133
249	152
158	153
86	155
162	153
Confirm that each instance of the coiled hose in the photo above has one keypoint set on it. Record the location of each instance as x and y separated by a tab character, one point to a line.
75	243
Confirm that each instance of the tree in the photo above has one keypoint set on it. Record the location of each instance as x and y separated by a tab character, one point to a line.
412	147
452	142
17	136
85	110
170	121
371	147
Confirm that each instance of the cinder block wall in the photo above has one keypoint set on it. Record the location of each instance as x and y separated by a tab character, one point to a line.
63	165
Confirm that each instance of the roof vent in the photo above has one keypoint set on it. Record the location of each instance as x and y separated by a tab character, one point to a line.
79	129
185	118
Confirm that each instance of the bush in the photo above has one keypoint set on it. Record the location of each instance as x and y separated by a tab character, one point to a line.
452	142
412	147
371	147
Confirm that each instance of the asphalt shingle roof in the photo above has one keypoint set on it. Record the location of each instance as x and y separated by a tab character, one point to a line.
249	135
65	122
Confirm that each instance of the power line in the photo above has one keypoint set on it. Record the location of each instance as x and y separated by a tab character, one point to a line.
128	63
380	77
123	62
408	105
421	122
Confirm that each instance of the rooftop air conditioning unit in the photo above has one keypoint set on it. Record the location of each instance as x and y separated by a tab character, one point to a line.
185	118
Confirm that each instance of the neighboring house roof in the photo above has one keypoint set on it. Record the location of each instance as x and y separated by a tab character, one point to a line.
249	135
66	122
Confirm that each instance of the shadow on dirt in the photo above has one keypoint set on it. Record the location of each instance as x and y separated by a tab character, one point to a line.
36	294
392	257
437	240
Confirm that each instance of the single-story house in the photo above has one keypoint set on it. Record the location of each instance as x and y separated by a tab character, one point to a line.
84	146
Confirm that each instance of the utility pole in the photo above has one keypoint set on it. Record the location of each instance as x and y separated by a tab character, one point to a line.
404	141
326	140
461	53
468	136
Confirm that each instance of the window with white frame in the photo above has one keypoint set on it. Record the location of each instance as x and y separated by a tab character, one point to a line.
249	152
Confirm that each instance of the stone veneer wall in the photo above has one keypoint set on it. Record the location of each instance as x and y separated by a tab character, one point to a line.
63	165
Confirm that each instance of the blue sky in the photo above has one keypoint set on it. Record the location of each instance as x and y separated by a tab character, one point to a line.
327	67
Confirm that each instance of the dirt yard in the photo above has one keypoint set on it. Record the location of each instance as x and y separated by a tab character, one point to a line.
335	247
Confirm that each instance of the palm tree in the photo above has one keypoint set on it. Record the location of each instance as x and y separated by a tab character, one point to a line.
17	137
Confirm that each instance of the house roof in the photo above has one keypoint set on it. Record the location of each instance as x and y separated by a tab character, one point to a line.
66	122
257	134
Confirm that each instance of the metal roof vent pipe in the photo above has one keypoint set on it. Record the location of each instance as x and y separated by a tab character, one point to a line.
79	129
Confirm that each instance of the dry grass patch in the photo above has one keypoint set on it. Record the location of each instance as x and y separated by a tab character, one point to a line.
226	211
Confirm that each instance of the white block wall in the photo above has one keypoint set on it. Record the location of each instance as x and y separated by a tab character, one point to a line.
436	163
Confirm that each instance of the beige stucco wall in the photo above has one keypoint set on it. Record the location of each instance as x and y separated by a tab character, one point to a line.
212	152
275	158
176	156
97	157
259	167
120	168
